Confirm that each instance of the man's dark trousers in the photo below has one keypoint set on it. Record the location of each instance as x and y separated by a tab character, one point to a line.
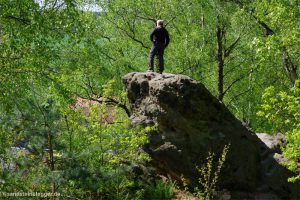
157	50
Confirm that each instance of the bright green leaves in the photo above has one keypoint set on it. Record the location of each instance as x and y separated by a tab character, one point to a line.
282	20
117	143
93	145
292	151
110	133
31	45
282	110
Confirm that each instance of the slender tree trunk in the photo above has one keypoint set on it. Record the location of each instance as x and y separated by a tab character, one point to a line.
70	133
51	162
220	57
289	66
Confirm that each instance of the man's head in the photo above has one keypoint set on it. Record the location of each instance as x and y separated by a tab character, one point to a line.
160	23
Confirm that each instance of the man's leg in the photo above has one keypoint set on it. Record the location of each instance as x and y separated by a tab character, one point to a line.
161	59
152	54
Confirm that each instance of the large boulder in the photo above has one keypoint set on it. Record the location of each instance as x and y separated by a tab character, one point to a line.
191	122
273	142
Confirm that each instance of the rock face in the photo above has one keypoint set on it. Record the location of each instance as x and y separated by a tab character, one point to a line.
273	142
191	122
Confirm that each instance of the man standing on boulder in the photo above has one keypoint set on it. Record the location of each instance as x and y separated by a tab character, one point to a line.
160	39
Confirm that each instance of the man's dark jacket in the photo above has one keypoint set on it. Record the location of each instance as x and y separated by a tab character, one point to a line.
160	36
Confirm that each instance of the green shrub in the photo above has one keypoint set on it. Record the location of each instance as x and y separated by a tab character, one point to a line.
161	190
282	110
209	175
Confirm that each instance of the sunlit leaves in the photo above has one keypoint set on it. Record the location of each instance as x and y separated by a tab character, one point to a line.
282	110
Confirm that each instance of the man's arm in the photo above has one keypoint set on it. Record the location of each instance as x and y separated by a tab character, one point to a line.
152	35
167	39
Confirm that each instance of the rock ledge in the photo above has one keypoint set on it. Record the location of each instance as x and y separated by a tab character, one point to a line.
191	122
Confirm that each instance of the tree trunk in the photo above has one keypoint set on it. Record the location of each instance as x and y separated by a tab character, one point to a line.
220	57
289	66
51	162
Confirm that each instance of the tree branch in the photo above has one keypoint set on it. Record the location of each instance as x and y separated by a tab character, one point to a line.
146	18
129	35
108	100
170	21
268	30
24	21
236	96
231	47
234	82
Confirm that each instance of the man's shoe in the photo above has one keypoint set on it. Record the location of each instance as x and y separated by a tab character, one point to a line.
160	72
